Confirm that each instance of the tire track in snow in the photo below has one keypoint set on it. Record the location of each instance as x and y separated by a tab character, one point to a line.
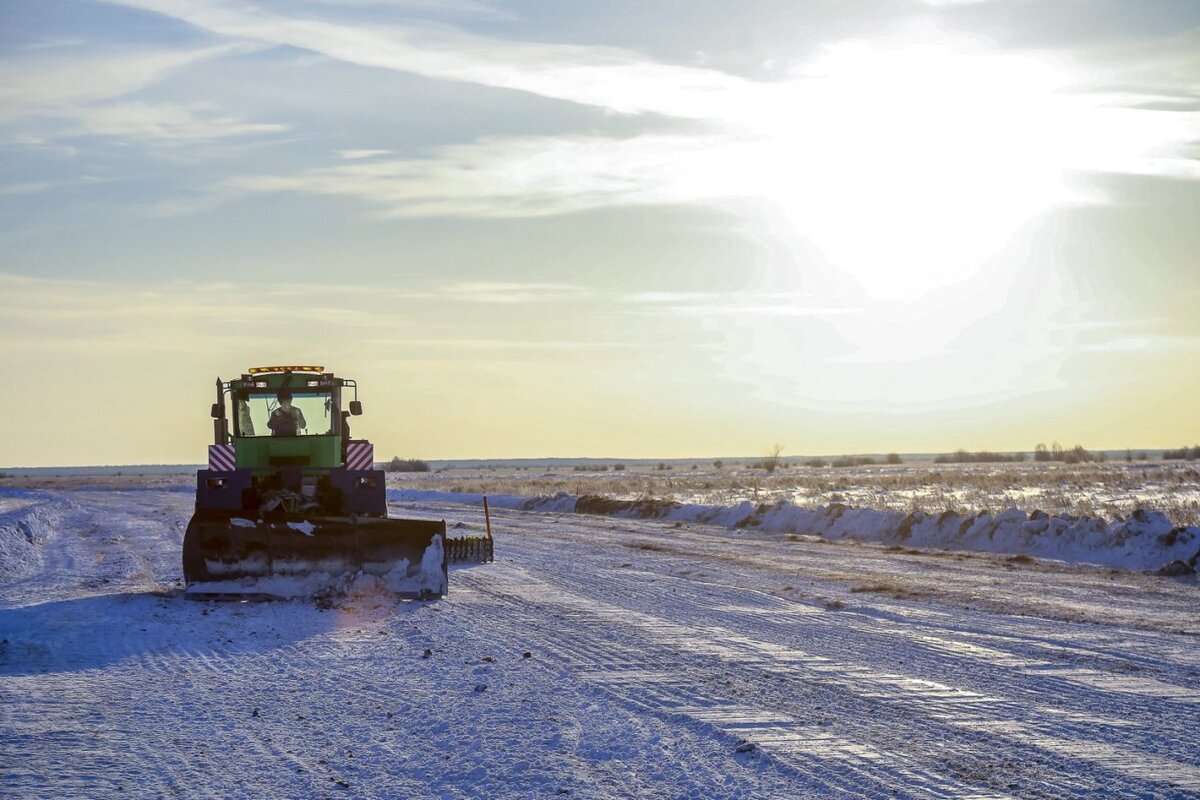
667	686
166	711
1155	649
932	698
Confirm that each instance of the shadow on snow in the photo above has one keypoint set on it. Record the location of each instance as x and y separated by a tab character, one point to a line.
95	632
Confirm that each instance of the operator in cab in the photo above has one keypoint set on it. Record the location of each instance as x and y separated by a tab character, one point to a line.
286	419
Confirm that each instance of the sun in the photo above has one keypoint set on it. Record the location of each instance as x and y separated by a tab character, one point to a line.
908	166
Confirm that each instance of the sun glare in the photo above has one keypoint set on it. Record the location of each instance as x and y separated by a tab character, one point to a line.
908	167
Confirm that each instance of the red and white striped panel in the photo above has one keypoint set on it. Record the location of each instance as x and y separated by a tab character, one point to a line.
360	455
220	458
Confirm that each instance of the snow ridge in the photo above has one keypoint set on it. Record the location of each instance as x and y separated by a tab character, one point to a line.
1143	540
26	525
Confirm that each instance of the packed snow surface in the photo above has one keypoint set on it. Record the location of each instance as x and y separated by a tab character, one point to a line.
598	657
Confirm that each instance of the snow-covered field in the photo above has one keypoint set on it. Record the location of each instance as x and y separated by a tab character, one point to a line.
599	656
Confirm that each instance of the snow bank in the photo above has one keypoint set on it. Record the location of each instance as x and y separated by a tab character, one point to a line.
1144	540
26	524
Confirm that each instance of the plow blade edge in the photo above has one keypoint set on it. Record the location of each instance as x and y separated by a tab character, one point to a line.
231	552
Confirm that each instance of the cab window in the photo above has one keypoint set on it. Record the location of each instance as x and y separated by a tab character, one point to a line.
311	414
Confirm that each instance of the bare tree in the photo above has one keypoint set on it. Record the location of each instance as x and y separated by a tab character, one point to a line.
771	462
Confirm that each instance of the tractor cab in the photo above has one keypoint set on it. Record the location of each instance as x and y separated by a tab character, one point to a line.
287	416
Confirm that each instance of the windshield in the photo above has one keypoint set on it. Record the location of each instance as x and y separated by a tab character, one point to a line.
263	414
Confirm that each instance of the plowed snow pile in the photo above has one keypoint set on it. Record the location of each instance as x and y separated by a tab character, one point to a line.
25	525
1144	540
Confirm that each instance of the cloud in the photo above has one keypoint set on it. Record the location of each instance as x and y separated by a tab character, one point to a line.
52	43
940	146
522	176
736	304
47	301
31	187
962	122
463	8
164	122
606	77
945	100
73	95
351	155
1133	335
1145	344
509	345
64	307
49	83
510	292
102	318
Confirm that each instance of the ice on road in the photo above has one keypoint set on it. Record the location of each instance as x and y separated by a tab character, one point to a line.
596	658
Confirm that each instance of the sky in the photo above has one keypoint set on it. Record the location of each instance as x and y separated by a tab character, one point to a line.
623	229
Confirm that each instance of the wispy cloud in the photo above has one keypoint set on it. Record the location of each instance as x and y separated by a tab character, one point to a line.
52	43
736	304
1145	344
47	315
48	82
963	122
519	177
165	122
1130	335
25	300
73	94
512	292
491	344
28	300
351	155
606	77
31	187
944	146
460	8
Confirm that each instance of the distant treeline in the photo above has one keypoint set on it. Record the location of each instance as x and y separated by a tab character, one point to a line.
1054	452
1184	453
980	457
398	464
853	461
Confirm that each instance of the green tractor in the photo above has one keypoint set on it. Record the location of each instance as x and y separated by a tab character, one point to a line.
291	505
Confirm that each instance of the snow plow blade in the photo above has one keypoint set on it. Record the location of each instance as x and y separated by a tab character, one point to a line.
227	552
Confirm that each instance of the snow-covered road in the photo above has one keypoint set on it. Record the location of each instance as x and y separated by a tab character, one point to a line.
597	657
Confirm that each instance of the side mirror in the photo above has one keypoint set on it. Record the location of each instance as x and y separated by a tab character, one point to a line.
218	411
356	408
